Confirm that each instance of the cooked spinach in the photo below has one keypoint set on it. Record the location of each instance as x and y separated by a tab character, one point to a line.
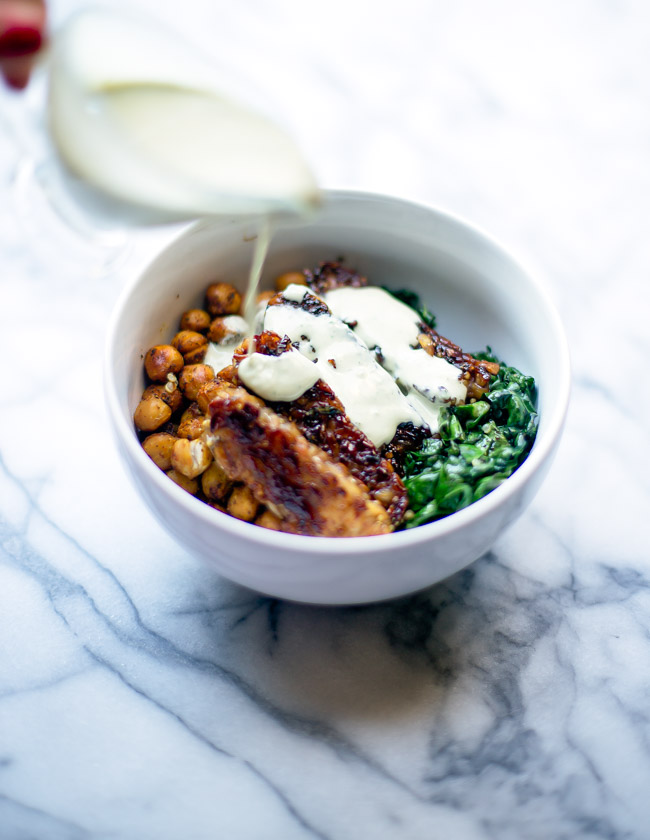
413	300
480	445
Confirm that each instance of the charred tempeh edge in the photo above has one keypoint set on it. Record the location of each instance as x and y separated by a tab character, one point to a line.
297	481
476	374
332	275
321	418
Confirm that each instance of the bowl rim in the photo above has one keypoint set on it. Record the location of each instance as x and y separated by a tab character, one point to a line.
366	545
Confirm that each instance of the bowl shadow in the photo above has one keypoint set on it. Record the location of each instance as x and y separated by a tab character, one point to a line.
379	662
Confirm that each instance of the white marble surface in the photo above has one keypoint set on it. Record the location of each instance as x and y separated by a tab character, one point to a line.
143	697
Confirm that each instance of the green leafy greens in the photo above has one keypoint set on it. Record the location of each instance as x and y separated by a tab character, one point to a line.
481	444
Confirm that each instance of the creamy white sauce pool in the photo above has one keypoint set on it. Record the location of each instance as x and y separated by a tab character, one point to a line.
295	292
391	326
235	324
219	356
283	378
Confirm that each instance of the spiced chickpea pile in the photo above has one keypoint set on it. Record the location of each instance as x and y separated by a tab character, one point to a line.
172	413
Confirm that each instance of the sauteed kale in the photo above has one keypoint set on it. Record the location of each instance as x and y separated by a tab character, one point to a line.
480	445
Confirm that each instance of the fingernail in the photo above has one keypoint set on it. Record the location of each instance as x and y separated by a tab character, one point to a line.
20	40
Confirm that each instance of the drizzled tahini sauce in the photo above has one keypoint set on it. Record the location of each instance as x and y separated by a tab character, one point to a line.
370	396
392	327
408	385
342	349
219	356
283	378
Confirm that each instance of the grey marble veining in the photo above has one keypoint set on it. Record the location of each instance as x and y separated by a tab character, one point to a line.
141	696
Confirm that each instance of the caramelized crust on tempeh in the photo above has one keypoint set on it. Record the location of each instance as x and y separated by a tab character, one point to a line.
310	303
321	417
408	438
475	374
318	420
332	275
309	492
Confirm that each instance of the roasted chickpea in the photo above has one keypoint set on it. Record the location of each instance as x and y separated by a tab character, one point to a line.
222	299
268	520
197	320
193	377
191	457
159	448
169	393
242	503
191	485
187	340
221	331
192	423
195	357
161	360
207	393
151	414
228	375
288	279
215	483
217	330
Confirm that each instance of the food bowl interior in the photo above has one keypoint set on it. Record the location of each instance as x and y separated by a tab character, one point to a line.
479	294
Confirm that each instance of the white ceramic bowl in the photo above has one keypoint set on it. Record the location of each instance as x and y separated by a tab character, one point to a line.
480	295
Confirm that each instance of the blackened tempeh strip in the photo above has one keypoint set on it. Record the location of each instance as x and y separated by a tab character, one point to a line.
321	417
332	275
476	374
309	492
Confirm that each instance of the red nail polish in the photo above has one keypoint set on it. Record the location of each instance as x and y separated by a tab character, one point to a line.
20	40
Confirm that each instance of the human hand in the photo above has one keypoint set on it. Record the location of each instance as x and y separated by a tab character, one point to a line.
22	33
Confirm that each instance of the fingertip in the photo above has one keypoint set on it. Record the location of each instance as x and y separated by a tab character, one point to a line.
16	71
22	26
